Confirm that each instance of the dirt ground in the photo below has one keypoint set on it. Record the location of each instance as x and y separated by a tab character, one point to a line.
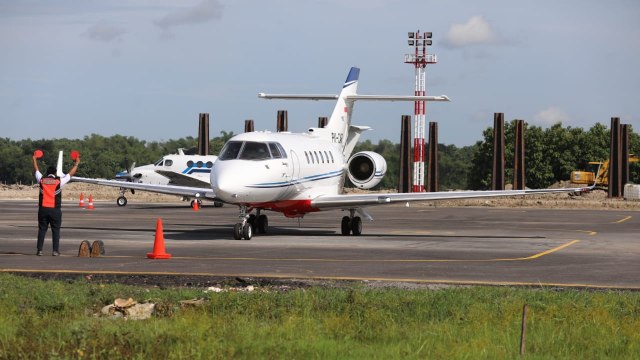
595	199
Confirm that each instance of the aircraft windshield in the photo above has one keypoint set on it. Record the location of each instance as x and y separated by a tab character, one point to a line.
230	150
251	150
255	151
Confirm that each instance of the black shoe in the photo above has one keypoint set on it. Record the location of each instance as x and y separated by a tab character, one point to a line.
55	253
39	253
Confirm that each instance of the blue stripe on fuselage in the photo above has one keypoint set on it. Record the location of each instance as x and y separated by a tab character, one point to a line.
298	181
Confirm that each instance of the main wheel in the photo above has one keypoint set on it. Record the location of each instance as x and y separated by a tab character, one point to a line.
252	220
346	225
217	204
237	231
263	224
356	226
121	201
247	231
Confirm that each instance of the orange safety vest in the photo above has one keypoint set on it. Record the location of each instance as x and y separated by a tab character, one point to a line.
50	192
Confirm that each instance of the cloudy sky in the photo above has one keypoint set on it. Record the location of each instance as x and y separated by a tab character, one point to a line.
146	68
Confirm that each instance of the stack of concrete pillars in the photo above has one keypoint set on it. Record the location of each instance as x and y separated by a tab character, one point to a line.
518	154
497	178
322	121
248	126
615	160
282	121
432	171
203	134
404	175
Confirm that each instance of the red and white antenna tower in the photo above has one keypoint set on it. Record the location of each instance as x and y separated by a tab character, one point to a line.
419	59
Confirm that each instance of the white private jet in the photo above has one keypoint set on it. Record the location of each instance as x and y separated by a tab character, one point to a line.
175	169
300	173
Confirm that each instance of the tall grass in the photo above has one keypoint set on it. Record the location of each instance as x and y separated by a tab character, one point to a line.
54	319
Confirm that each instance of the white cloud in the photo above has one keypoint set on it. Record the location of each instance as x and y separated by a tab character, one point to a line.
476	31
105	33
551	116
203	12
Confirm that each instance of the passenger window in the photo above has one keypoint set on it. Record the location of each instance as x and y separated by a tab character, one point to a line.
255	151
230	150
199	164
168	163
321	157
331	153
307	156
189	163
317	159
209	164
275	151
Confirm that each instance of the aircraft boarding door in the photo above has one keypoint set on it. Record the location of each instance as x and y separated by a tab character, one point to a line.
295	174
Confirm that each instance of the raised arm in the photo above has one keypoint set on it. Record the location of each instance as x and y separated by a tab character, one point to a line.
75	167
35	164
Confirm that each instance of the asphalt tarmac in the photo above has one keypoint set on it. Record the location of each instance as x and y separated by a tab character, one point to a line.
424	244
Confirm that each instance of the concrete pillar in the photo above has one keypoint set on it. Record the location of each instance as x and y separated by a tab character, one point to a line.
203	134
404	174
497	177
248	126
518	161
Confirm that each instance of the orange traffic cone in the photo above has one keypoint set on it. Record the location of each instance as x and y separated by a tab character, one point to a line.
90	206
158	244
195	205
81	200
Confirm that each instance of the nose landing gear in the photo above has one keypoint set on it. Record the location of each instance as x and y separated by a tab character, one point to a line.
250	224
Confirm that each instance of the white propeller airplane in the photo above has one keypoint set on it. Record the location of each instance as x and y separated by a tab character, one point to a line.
175	169
300	173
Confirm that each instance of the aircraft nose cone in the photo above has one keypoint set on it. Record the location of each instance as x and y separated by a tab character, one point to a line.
225	185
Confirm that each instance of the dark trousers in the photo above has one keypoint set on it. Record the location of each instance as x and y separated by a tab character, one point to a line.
46	217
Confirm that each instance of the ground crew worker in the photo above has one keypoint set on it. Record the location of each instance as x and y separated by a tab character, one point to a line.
49	203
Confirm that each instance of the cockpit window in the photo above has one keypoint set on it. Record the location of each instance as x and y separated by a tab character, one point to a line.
252	150
231	150
159	162
169	162
275	151
255	151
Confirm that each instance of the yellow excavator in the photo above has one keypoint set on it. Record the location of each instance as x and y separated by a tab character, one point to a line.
596	171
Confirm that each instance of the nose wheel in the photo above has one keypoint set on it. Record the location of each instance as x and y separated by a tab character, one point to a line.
121	201
250	224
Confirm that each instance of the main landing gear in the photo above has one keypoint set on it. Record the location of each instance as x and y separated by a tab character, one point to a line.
250	224
122	200
351	224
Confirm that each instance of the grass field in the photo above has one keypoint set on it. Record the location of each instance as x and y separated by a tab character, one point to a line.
56	319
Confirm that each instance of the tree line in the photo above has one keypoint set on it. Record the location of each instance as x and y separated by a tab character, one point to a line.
550	155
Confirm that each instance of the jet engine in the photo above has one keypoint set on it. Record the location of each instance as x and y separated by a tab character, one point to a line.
366	169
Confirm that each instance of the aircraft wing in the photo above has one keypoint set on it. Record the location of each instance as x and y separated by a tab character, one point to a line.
183	180
351	201
162	189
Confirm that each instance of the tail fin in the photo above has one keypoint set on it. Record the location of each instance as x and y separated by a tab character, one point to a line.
340	119
59	172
